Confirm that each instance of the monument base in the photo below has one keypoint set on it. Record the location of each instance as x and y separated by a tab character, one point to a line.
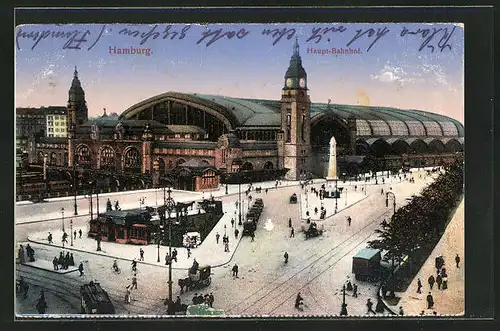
332	178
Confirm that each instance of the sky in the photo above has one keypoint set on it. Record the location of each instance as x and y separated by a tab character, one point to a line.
407	66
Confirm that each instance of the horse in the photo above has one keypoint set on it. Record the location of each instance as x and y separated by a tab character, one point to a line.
185	282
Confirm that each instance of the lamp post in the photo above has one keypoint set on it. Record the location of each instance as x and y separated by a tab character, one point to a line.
62	212
343	310
239	198
393	200
74	185
345	196
169	206
71	231
226	189
336	195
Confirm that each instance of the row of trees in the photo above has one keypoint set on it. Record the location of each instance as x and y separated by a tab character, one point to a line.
415	229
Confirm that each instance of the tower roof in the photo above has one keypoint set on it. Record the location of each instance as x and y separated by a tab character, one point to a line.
76	92
295	68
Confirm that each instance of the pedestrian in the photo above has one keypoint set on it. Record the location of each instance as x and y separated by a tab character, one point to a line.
236	232
369	305
289	222
457	260
41	305
134	282
49	238
55	262
174	255
127	295
66	260
445	281
211	299
431	281
189	252
226	247
349	220
286	257
80	233
430	301
80	268
71	260
141	254
64	238
134	265
217	236
167	259
299	301
20	254
419	286
355	291
292	233
74	234
439	281
195	299
253	236
235	270
232	222
266	190
117	206
315	210
401	311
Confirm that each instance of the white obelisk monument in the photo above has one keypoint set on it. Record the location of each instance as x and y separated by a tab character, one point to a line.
332	166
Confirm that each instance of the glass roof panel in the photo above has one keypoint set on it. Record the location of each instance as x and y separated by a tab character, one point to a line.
398	128
416	128
380	128
449	129
433	128
363	128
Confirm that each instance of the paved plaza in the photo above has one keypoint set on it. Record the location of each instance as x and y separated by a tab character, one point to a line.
317	267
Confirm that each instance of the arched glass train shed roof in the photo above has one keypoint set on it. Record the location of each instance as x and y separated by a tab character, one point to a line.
370	121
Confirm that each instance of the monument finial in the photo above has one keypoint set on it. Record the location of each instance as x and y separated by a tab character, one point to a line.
296	46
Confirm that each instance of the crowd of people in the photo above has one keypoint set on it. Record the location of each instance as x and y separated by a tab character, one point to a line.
207	299
64	261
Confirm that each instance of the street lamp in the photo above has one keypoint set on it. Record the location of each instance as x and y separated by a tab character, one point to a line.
169	207
62	212
345	196
336	195
71	231
393	200
343	310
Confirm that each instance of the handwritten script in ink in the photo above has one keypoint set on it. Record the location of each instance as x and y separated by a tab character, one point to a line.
430	38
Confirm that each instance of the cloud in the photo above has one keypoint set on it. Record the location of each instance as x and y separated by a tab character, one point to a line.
393	74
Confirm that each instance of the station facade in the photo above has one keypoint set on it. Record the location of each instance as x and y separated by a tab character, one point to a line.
223	135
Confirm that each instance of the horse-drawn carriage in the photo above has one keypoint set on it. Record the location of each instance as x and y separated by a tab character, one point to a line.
313	231
198	279
293	198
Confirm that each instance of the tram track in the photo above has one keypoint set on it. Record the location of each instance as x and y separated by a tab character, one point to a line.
316	257
69	288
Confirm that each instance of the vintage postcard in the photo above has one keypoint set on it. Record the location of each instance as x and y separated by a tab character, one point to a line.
239	169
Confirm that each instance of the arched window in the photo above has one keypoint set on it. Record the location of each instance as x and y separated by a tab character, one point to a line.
83	155
288	127
107	158
247	166
131	159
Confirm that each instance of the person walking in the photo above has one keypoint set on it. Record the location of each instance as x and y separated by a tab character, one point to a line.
253	236
80	268
174	255
41	305
355	291
289	222
217	236
349	219
141	254
134	265
74	234
292	233
431	281
286	257
49	238
419	286
71	260
235	270
299	301
127	295
226	246
65	238
134	281
211	299
445	281
236	233
369	305
20	254
189	252
401	312
439	281
457	260
232	222
55	263
430	301
80	234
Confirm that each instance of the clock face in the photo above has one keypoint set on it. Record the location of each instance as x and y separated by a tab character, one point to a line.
289	82
302	82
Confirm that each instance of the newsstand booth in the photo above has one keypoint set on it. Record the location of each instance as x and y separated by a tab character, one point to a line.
123	227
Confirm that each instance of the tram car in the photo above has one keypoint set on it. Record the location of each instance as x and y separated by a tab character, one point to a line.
95	300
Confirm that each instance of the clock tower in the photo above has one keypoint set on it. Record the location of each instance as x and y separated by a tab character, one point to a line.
294	141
